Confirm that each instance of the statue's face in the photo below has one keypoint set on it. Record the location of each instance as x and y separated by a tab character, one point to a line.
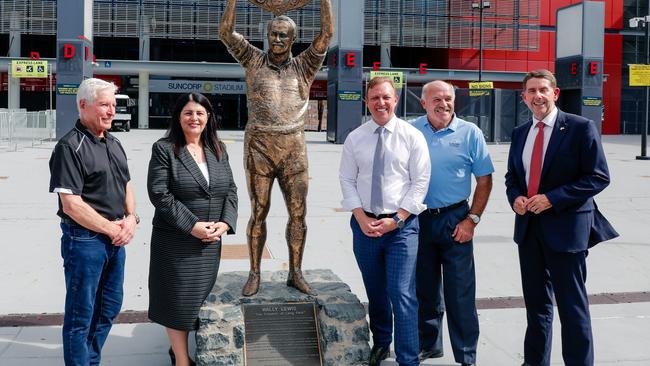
281	36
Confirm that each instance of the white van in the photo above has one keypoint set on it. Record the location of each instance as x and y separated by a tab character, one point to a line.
122	119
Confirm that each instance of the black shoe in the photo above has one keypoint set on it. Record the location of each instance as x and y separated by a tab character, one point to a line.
424	354
172	358
467	364
378	354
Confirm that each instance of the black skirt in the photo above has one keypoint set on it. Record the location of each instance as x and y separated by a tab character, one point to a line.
182	271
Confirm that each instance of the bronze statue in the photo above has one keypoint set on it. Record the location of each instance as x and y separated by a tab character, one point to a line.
278	7
274	144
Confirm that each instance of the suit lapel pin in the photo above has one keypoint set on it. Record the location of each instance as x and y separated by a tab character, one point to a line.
562	128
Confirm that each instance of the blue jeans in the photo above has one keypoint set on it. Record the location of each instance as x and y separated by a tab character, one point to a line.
94	275
387	266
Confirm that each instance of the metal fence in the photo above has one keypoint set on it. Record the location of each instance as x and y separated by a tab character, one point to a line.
19	128
495	111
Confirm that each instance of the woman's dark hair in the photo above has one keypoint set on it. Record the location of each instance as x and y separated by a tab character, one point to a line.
209	136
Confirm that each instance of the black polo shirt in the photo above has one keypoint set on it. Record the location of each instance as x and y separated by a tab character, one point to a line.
93	168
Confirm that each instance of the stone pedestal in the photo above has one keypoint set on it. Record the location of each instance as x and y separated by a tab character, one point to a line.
341	317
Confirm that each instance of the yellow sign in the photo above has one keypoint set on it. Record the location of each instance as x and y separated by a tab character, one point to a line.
28	69
639	75
397	76
481	85
478	93
592	101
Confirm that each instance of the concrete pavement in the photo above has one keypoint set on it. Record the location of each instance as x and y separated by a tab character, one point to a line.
31	275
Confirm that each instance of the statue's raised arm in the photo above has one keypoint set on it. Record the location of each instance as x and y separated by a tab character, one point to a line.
227	28
322	41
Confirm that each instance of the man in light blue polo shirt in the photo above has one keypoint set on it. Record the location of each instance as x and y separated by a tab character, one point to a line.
457	150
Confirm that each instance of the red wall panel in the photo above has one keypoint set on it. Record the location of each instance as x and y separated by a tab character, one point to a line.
499	60
548	10
614	14
612	87
544	57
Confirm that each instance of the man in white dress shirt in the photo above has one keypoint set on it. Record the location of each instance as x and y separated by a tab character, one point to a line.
384	175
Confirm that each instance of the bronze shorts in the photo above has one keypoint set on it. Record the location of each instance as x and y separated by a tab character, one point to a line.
275	154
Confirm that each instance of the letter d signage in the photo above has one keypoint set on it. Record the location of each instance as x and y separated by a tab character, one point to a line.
70	54
68	51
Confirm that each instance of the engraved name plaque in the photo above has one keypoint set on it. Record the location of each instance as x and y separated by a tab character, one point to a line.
281	335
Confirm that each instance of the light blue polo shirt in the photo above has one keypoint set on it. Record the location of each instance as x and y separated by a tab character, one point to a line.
456	152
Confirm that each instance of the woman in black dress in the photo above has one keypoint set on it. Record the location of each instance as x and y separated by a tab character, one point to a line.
191	186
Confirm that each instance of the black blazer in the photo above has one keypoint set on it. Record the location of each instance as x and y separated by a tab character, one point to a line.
181	195
574	171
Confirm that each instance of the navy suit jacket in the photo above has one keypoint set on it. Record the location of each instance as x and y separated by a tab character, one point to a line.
574	171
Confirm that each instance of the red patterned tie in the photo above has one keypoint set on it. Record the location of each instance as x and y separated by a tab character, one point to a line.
536	161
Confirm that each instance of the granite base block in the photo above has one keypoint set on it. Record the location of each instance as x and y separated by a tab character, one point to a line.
341	317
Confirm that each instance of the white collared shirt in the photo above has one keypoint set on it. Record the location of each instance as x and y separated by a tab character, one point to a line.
406	167
527	153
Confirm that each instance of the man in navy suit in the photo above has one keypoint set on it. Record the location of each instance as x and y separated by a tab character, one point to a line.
556	166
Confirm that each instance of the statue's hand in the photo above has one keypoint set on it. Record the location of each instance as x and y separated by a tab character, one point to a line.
278	7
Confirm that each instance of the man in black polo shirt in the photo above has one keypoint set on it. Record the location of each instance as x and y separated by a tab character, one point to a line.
89	172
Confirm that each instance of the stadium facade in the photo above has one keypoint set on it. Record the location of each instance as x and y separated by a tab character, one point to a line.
441	36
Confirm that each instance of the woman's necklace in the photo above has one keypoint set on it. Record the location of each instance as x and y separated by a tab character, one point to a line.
192	150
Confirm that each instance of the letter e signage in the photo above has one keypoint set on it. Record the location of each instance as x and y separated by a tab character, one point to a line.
574	68
593	68
351	59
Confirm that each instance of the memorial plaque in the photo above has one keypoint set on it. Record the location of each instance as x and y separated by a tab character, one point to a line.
281	335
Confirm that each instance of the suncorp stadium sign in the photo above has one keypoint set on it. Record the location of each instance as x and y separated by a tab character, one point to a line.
199	86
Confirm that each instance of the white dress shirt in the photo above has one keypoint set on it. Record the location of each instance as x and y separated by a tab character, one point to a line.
527	153
406	167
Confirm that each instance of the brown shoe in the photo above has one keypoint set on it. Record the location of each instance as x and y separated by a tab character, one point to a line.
252	285
297	281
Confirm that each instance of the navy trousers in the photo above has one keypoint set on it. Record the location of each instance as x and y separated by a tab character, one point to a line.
545	273
445	266
387	267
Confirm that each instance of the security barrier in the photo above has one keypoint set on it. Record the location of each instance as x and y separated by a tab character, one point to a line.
19	128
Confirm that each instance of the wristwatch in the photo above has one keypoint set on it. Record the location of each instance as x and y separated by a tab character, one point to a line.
137	218
475	218
399	221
